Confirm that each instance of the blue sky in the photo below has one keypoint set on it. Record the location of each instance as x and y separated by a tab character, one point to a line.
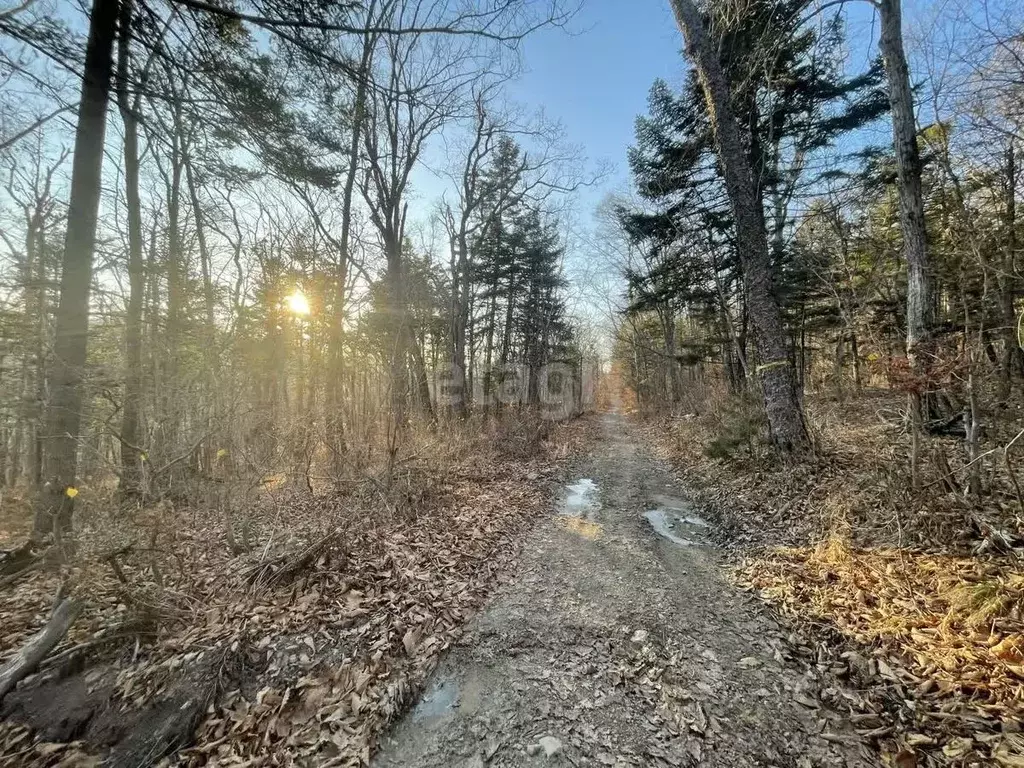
595	78
592	77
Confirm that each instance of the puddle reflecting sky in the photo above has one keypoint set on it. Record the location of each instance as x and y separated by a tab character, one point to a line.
675	524
437	700
580	497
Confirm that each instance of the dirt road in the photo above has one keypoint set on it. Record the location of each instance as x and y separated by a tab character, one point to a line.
619	643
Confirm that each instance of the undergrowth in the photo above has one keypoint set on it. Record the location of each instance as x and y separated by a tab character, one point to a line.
944	638
285	620
915	596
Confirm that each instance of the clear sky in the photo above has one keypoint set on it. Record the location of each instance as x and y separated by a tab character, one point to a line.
595	77
592	77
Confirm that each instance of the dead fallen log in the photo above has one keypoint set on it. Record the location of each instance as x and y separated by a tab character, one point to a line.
25	661
14	560
19	562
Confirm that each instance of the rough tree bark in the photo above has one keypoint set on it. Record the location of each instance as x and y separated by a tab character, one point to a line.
64	411
920	309
778	381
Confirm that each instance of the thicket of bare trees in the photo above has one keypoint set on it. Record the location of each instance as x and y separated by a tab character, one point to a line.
217	261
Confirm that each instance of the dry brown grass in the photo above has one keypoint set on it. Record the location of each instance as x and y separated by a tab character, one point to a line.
944	638
916	596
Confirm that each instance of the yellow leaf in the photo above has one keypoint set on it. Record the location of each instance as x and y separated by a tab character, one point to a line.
222	452
71	492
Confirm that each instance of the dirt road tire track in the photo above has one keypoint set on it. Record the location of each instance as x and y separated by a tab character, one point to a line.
617	646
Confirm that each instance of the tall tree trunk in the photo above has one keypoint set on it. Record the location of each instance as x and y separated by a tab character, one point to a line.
506	340
470	354
64	411
778	382
460	315
506	333
920	311
673	384
175	262
399	334
171	418
151	314
415	347
26	428
335	410
209	303
209	449
1008	278
35	464
131	418
855	352
488	373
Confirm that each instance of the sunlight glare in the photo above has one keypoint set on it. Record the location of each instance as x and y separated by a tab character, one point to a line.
297	303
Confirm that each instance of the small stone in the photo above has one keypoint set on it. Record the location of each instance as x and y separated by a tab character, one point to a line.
639	636
550	745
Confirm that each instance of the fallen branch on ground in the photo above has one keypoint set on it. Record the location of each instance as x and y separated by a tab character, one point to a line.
283	568
35	650
16	560
132	628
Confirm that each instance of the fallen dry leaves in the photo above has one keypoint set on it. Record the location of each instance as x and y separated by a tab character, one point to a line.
944	639
285	664
929	635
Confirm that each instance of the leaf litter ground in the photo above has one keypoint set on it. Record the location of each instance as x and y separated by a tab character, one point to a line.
910	603
297	653
619	646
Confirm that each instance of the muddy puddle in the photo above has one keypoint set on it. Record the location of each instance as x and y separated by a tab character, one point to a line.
676	521
581	499
578	508
438	700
